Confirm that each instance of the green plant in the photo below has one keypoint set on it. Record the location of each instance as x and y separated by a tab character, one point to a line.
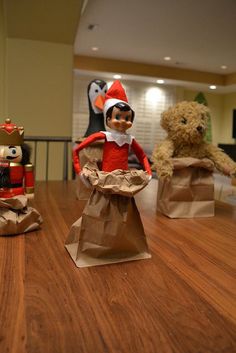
200	98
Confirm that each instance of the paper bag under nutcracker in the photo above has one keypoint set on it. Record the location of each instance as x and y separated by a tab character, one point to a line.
17	217
190	191
110	229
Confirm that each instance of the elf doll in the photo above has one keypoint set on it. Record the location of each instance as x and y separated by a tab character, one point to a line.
110	229
16	182
119	118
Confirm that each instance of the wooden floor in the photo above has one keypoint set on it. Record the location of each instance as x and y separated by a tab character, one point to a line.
182	300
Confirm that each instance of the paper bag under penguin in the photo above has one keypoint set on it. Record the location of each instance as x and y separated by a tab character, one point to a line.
190	191
110	229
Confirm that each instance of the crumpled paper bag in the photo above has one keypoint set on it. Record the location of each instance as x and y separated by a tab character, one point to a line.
91	153
190	191
16	217
122	182
110	229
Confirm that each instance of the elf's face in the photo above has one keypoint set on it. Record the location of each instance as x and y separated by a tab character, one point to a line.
120	120
11	153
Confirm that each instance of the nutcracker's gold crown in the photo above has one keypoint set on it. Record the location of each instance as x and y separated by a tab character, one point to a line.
10	134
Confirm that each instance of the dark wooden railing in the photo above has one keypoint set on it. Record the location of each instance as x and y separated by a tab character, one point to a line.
48	139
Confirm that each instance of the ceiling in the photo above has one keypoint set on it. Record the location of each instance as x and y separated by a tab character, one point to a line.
197	35
52	21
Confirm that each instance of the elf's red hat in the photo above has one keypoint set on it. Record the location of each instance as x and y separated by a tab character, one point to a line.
115	94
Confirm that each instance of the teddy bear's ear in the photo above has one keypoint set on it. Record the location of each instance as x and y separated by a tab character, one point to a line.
204	110
207	110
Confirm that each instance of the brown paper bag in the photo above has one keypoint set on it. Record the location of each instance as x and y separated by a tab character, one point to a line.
122	182
82	191
190	191
16	217
91	153
110	229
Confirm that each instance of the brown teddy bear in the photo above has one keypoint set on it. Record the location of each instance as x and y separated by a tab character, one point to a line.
186	124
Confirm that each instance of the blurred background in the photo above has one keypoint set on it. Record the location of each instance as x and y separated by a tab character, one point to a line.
162	51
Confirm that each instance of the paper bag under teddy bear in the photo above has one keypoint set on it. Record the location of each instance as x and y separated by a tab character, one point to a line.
185	162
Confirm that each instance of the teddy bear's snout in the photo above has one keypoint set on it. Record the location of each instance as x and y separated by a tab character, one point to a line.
200	128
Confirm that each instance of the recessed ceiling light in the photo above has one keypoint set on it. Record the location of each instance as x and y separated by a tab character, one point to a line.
117	77
167	58
212	87
223	67
94	48
160	82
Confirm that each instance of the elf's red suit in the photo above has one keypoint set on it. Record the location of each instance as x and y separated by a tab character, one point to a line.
115	151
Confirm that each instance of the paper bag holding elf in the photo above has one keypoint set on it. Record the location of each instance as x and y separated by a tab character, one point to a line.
110	229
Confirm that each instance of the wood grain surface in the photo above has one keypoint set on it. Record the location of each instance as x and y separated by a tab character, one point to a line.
182	300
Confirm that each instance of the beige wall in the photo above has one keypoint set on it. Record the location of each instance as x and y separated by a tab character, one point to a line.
36	70
2	62
39	87
39	94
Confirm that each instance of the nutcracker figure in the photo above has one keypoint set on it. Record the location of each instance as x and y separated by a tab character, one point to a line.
16	182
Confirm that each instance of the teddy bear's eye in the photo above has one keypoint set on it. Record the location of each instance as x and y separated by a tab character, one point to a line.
184	121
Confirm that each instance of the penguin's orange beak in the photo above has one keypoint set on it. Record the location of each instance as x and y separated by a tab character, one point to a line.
99	102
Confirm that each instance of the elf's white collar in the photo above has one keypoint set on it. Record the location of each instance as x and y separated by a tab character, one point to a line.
119	138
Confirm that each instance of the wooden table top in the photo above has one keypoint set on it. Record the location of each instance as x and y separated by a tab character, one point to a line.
182	300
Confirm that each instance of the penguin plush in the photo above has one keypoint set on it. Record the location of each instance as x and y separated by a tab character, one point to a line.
96	93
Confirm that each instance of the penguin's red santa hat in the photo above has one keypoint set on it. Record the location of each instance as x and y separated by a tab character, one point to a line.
115	94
